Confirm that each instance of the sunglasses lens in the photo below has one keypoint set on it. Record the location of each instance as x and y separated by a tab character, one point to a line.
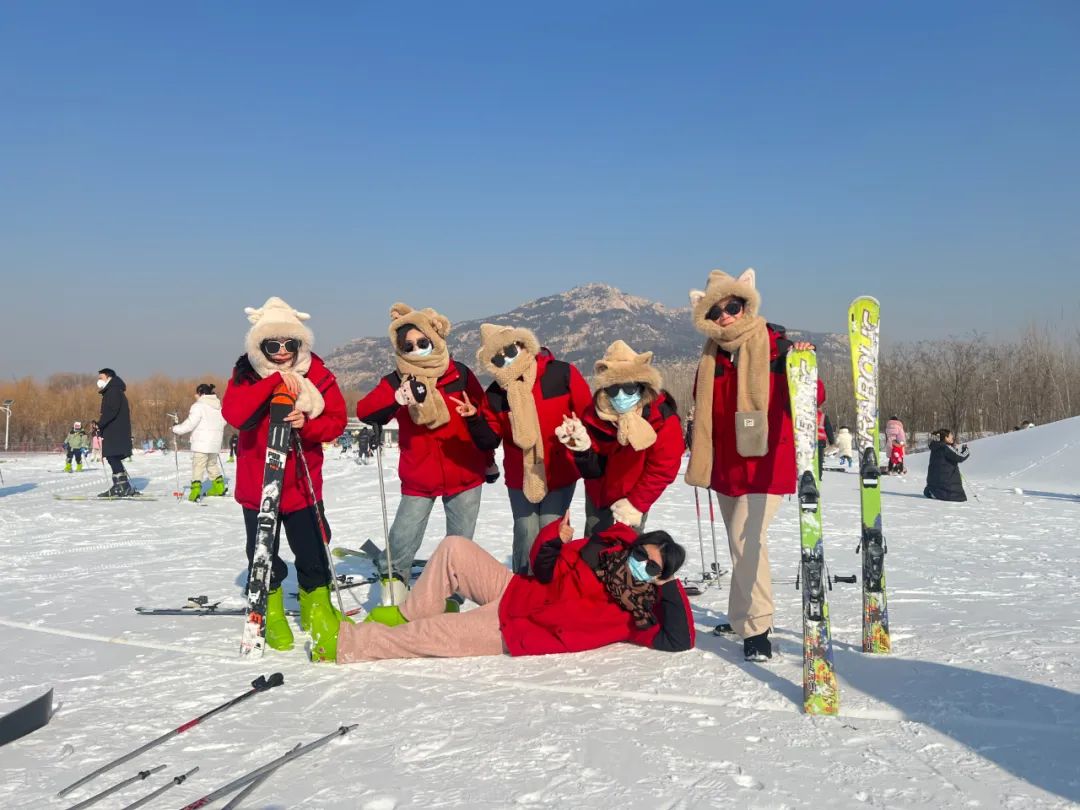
511	351
498	360
733	307
423	343
714	313
292	345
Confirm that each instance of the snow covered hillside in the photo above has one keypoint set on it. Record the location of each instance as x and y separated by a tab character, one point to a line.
979	706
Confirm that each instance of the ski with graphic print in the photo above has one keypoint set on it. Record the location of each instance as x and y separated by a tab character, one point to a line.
864	331
821	694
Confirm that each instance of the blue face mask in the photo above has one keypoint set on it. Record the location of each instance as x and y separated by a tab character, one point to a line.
624	403
423	352
637	569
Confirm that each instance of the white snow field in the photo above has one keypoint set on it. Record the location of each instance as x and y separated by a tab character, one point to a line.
978	706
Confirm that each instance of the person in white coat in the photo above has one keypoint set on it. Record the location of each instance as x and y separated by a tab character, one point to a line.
844	443
207	428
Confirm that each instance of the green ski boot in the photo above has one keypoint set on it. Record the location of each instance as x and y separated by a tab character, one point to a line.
389	615
278	633
67	467
325	626
320	595
217	487
196	491
78	467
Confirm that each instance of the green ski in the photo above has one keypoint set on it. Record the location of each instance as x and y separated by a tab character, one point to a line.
821	694
864	328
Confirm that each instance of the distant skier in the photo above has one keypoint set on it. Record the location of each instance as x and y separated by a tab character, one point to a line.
115	425
95	442
365	445
628	443
846	445
345	443
278	350
896	459
585	594
943	479
234	444
530	397
744	445
825	436
428	394
206	426
75	444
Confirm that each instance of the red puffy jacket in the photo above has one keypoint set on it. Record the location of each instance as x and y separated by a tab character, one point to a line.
612	470
559	391
247	407
433	463
773	473
563	607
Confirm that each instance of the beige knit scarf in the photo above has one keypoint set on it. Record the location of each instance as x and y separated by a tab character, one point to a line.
747	340
632	427
432	413
525	422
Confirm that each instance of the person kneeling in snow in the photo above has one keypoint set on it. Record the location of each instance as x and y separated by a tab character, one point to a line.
583	594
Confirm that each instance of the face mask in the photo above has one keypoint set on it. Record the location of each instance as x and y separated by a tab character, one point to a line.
623	402
423	352
638	569
102	383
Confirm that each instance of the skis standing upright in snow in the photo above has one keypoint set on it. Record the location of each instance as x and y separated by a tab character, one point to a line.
864	328
258	587
821	695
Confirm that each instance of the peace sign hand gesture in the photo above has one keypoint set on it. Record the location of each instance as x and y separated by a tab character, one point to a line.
465	408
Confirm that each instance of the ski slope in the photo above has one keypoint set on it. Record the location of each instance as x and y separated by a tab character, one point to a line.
977	707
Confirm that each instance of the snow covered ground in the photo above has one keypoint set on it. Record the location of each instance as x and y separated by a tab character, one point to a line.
977	707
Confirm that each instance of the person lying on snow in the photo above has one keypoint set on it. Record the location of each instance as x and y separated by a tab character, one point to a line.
583	594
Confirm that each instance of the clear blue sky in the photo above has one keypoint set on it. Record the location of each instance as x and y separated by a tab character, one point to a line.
164	165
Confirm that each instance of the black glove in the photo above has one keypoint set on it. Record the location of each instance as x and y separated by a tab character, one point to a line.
376	436
491	474
963	449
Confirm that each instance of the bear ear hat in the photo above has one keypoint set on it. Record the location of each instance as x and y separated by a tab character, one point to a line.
440	323
748	277
695	296
255	315
399	310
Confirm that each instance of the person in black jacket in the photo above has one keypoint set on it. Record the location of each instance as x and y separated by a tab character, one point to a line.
943	479
115	426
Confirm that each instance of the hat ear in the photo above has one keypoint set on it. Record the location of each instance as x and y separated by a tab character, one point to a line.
253	314
646	358
301	316
399	310
695	296
748	277
440	323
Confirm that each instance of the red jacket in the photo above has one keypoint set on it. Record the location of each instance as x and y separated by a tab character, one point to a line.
773	473
246	407
433	463
559	391
614	471
563	607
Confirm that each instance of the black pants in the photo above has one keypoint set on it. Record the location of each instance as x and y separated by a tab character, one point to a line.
302	532
116	463
75	454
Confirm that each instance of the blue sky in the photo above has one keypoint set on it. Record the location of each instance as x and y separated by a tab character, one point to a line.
163	166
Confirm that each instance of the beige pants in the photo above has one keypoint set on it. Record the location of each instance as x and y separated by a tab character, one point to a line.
750	600
457	566
204	466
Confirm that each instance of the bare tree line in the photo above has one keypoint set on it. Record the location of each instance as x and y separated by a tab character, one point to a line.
967	384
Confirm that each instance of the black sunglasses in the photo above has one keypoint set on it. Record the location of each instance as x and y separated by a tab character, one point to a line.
732	308
626	388
422	343
290	345
508	353
652	567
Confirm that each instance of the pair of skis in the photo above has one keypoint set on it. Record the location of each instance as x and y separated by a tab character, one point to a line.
821	693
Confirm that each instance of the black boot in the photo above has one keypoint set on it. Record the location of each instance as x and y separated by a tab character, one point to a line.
126	489
757	649
114	490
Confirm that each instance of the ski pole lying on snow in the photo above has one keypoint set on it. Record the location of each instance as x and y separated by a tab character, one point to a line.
260	684
149	797
224	790
253	785
118	786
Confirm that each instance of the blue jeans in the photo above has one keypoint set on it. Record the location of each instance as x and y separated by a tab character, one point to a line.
411	519
530	518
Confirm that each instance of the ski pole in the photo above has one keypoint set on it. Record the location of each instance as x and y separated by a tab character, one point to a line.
318	519
179	493
700	537
967	483
385	522
260	684
224	790
253	785
118	786
712	529
149	797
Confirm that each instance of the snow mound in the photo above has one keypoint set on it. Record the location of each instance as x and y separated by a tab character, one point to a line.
1041	460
